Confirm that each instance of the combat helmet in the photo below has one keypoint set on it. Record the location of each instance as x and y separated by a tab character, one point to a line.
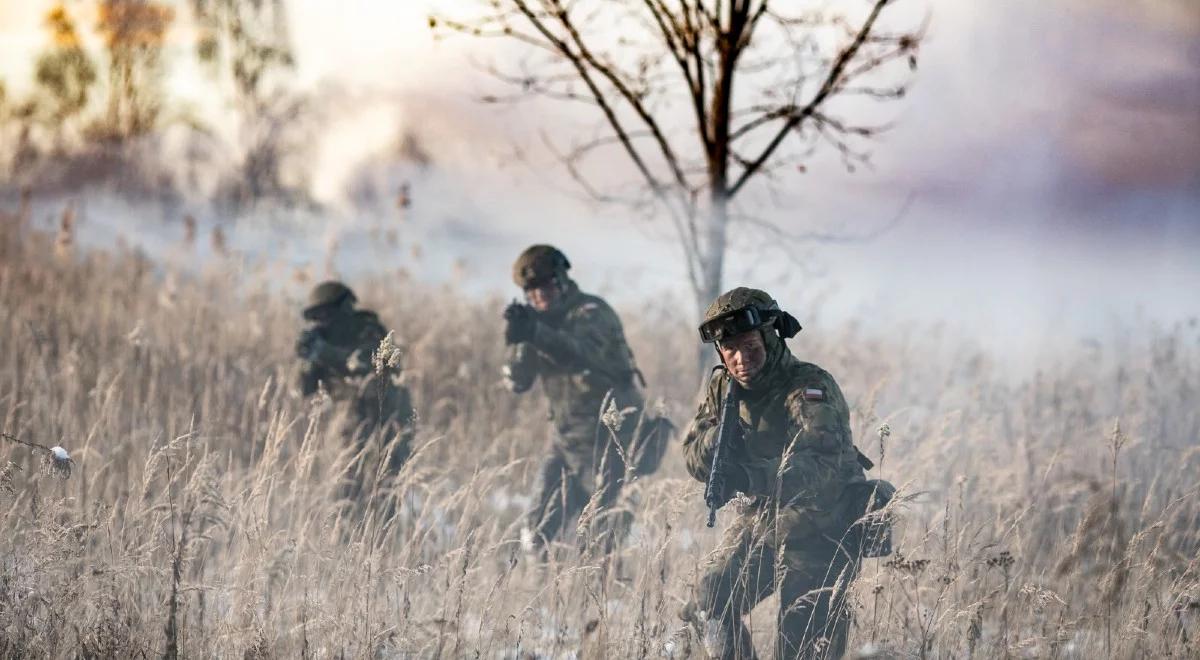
744	309
328	294
540	264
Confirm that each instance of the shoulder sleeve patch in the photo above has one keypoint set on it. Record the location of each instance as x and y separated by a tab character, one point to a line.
587	307
813	394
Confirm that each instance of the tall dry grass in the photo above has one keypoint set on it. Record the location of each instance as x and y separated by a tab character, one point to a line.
202	516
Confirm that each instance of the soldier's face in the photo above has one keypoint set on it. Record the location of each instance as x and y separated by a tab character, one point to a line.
543	297
744	355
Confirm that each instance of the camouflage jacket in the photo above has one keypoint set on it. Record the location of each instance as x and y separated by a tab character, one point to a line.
580	353
796	450
345	358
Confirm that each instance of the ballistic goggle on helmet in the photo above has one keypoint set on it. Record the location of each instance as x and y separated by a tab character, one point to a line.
742	310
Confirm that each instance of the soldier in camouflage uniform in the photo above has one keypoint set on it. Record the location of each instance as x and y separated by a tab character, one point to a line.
336	352
575	343
793	459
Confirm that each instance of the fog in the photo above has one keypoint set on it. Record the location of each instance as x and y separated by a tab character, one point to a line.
1040	187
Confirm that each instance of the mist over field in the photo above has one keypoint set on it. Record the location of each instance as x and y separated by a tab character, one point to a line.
1041	190
1006	293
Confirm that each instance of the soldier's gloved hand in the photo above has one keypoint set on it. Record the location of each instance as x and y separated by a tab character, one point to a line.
521	323
744	436
306	345
319	351
736	481
738	441
788	483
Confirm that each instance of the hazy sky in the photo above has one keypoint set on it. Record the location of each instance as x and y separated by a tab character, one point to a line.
1051	149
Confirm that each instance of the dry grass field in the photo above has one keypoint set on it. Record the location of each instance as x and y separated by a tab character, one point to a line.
201	516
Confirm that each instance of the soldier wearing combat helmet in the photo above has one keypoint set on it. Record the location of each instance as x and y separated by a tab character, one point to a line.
575	344
791	454
335	351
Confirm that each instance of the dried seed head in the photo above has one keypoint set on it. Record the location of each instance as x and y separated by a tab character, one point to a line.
6	476
614	418
137	336
907	565
1002	560
1117	437
387	355
58	463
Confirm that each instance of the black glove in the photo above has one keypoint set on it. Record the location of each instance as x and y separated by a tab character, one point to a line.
521	323
738	440
306	345
736	481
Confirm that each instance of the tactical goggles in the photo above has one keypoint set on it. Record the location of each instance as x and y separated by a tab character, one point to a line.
733	324
551	282
323	311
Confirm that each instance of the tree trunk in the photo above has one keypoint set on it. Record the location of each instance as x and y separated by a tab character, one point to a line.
712	242
712	270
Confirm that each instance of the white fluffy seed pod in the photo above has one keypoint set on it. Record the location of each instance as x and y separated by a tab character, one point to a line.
59	463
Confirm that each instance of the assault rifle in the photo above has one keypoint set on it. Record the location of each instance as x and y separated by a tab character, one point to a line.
727	425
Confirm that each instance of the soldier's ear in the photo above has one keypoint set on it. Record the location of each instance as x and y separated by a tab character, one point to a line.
786	325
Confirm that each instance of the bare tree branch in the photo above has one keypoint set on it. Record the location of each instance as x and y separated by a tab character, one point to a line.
601	100
683	42
828	238
827	88
586	55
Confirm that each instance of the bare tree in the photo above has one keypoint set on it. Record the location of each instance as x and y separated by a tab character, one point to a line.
134	33
248	43
64	71
700	96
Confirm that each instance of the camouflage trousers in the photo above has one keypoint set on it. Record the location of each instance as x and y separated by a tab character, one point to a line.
583	480
380	453
811	576
381	437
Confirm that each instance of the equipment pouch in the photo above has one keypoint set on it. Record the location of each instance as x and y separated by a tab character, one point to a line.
870	534
655	436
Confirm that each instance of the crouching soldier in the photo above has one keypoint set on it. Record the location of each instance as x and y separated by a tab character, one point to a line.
339	352
574	342
789	451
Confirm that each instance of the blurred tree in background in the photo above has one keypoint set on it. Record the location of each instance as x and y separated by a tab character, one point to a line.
100	111
89	115
247	45
134	32
64	72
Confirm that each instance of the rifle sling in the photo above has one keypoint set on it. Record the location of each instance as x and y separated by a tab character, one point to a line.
865	462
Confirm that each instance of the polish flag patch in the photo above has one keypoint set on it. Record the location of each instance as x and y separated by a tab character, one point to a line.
813	394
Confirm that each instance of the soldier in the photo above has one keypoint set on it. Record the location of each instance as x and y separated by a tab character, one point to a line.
336	352
575	343
793	457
